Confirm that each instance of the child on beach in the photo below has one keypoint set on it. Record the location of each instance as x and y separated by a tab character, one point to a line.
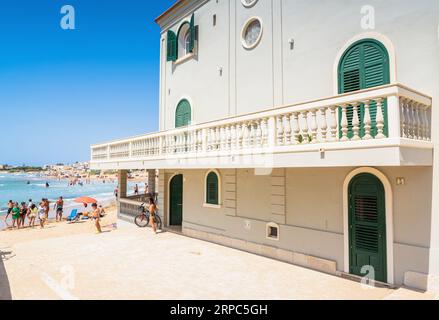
42	214
96	217
33	211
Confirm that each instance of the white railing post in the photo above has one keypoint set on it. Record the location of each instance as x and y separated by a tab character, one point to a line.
314	126
367	121
204	140
323	124
333	124
355	122
108	152
272	132
344	123
393	117
380	119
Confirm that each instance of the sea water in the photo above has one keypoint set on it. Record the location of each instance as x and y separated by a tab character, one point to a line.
23	187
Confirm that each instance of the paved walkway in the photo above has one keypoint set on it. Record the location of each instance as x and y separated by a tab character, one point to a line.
132	263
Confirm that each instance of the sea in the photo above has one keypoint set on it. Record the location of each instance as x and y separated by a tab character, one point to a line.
21	187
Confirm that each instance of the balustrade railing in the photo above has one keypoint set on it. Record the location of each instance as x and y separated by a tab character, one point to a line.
391	111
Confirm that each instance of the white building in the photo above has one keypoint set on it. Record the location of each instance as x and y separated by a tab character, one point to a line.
300	130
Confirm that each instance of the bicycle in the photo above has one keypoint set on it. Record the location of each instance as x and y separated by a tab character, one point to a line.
143	219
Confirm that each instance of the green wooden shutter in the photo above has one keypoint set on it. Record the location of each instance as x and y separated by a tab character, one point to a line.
193	33
367	221
212	193
364	65
183	114
171	46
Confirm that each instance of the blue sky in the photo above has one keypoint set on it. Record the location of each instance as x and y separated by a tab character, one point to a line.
62	90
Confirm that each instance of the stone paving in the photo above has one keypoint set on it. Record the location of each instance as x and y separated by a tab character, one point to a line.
132	263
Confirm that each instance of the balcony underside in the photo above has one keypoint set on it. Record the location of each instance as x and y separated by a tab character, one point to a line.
384	152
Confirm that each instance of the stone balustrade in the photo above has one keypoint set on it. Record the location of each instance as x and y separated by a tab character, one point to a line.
391	111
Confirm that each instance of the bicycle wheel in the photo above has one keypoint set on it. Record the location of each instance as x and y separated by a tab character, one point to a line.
142	221
158	222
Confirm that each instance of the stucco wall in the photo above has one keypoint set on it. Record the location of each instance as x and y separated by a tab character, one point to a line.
314	212
273	74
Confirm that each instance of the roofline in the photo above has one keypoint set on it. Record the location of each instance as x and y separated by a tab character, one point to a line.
178	4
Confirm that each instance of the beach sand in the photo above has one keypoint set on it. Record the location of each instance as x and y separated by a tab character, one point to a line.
53	229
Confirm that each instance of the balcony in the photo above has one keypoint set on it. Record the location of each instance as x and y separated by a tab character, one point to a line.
383	126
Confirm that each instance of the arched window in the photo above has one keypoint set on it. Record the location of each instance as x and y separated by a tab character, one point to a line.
364	65
184	40
183	114
212	188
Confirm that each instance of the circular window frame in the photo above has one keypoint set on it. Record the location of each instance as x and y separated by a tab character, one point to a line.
249	5
243	32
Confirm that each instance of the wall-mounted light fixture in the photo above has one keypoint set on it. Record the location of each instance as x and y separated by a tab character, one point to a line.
291	42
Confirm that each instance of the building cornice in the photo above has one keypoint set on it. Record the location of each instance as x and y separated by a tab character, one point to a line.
179	10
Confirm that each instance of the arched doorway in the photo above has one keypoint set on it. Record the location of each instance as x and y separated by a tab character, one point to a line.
365	64
183	114
176	200
367	227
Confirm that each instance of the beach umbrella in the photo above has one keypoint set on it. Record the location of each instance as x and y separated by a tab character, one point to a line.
86	200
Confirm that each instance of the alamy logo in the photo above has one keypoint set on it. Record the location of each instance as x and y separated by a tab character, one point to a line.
368	280
68	19
368	19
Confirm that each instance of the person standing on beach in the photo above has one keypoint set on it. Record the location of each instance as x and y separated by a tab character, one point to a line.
42	214
23	214
96	217
146	188
16	216
136	189
10	207
33	212
46	204
59	205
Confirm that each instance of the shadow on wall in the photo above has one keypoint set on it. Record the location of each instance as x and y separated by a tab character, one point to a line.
5	290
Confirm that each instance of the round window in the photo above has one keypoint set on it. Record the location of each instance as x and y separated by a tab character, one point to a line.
248	3
252	33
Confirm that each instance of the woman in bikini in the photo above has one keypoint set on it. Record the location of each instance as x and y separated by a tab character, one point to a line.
96	217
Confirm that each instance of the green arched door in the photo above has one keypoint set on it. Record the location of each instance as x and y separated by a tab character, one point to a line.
183	114
176	201
364	65
367	227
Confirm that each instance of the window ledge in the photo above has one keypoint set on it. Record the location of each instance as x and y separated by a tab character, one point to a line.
212	206
184	58
273	238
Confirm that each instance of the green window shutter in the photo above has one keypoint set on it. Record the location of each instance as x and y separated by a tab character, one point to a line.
183	114
367	221
364	65
212	193
193	33
171	46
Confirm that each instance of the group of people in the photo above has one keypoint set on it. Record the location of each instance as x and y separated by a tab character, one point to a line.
136	189
31	211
